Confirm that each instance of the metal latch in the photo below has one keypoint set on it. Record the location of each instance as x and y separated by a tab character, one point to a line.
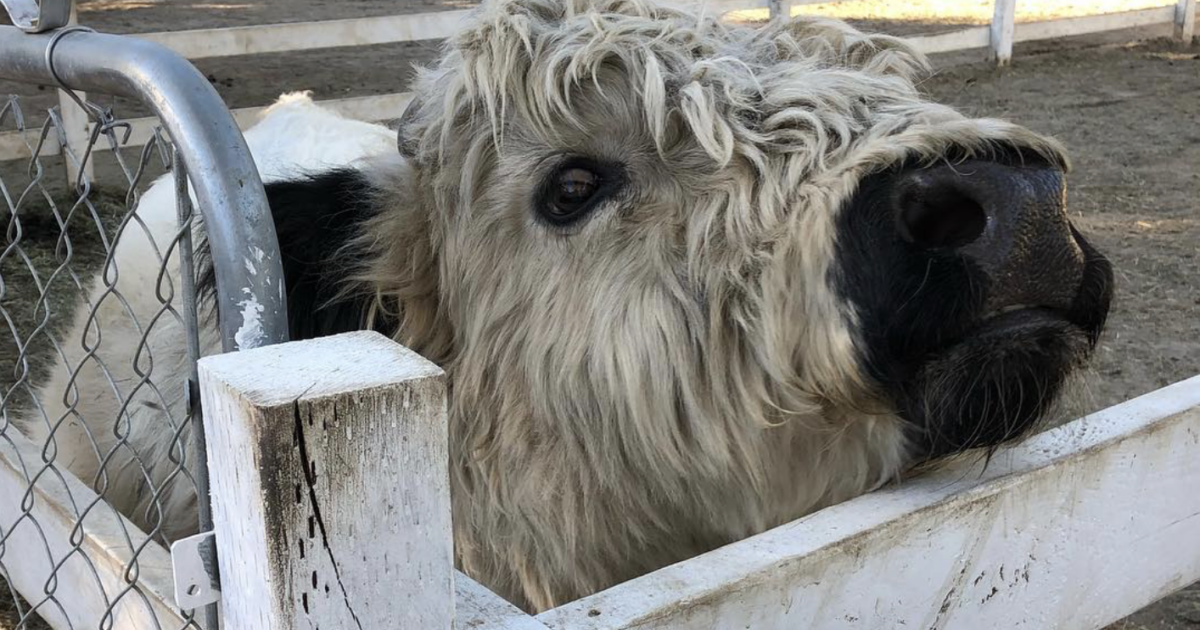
34	17
194	564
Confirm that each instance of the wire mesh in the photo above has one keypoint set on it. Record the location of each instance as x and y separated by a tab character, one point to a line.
94	311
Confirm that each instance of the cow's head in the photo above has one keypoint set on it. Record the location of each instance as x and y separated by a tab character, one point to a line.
650	235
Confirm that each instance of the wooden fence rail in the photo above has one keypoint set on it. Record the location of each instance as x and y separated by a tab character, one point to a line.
1073	528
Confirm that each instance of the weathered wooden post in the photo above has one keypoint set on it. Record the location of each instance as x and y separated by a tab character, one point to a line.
330	484
1003	27
77	129
780	9
1185	21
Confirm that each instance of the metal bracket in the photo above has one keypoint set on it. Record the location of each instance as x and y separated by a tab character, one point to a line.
32	16
197	578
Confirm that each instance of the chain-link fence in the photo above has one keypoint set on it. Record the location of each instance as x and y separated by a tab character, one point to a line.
84	345
101	445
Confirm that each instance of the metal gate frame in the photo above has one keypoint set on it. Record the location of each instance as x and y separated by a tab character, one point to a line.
220	168
210	154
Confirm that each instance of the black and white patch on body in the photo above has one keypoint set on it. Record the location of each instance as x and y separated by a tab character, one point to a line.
317	217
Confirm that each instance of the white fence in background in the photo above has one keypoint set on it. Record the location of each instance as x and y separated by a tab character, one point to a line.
998	39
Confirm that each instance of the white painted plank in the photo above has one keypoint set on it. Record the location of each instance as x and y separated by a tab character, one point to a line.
753	10
15	145
477	608
370	108
85	581
1067	27
1185	20
716	7
779	9
330	481
76	128
974	37
1003	19
272	38
1074	528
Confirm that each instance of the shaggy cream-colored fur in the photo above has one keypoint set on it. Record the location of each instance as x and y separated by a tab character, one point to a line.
676	372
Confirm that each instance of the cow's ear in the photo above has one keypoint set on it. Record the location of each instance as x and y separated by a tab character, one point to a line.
406	140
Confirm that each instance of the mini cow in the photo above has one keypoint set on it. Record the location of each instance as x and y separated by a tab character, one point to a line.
689	280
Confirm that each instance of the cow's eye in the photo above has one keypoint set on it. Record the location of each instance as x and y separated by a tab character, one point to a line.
575	189
572	191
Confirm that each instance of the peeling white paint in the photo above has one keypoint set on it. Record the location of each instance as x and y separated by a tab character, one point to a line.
259	254
250	333
250	266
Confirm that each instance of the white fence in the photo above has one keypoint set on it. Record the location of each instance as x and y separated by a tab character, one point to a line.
1074	528
998	39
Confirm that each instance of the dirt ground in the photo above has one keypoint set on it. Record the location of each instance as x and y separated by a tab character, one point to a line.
1129	112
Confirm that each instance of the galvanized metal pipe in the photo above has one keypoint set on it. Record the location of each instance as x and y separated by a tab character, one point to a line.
229	192
187	283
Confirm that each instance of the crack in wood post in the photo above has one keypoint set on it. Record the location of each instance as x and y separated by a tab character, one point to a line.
310	480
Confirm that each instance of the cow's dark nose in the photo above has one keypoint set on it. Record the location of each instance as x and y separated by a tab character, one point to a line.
1009	220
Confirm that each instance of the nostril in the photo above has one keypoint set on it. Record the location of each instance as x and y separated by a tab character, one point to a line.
939	214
